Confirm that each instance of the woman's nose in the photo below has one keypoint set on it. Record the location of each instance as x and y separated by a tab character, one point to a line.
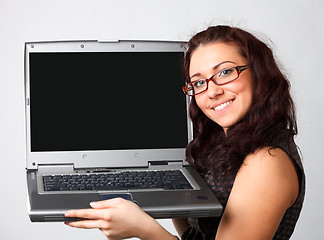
214	90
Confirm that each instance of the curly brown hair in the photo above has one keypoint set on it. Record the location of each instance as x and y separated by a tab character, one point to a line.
270	119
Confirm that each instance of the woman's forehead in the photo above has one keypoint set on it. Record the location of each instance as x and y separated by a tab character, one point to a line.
206	57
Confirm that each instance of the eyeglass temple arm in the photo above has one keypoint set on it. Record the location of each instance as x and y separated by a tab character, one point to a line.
242	68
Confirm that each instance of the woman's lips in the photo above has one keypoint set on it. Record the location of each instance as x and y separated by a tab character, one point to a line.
223	105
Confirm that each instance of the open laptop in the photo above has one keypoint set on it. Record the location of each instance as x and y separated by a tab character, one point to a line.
96	110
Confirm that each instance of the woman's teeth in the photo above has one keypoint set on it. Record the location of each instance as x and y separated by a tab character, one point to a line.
219	107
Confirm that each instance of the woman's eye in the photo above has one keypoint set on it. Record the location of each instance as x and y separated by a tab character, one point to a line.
225	72
199	83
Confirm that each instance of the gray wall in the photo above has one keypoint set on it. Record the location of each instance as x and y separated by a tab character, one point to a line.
294	26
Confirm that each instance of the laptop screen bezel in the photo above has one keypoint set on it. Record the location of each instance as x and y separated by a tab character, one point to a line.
99	158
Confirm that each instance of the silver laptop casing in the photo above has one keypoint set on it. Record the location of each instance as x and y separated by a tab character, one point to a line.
51	206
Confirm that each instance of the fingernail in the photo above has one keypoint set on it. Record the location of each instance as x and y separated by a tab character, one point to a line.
67	214
93	204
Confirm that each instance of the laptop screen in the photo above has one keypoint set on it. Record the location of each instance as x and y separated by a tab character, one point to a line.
106	101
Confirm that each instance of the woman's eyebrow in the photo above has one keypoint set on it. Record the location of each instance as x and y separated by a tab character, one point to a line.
195	75
214	68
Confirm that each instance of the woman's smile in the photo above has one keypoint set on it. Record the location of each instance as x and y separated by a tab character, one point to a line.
223	106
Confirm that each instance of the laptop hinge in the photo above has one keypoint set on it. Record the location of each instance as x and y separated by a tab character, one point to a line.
165	164
66	168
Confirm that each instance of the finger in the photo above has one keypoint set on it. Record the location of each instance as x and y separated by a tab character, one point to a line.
89	224
111	203
92	214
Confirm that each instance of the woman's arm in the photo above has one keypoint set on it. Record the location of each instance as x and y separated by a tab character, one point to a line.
119	219
265	187
180	224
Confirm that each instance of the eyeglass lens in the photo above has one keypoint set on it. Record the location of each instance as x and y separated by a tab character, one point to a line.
222	77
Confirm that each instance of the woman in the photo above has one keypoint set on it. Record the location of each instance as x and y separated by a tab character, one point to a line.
244	124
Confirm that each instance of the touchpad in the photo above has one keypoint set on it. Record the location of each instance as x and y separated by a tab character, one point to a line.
107	196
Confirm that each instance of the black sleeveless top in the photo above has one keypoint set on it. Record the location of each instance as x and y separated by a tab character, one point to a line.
206	228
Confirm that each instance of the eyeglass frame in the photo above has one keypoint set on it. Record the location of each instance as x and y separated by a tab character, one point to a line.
239	70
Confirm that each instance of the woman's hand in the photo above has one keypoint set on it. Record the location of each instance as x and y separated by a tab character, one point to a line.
117	219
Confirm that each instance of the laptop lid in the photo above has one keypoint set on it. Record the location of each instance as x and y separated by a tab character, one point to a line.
105	104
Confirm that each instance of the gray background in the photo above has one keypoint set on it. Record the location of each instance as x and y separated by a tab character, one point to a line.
294	27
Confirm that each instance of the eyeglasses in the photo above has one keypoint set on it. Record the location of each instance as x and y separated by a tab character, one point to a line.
222	77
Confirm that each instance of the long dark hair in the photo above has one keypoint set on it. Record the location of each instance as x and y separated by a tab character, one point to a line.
270	119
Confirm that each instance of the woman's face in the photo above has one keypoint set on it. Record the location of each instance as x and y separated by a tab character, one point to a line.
226	104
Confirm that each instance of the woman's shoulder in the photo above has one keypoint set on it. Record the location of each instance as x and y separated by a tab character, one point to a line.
273	168
268	156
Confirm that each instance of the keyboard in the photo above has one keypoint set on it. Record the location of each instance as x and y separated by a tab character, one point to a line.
125	180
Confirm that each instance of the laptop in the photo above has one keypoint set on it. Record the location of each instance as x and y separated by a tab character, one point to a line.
100	110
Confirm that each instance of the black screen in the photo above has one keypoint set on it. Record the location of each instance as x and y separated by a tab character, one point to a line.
107	100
